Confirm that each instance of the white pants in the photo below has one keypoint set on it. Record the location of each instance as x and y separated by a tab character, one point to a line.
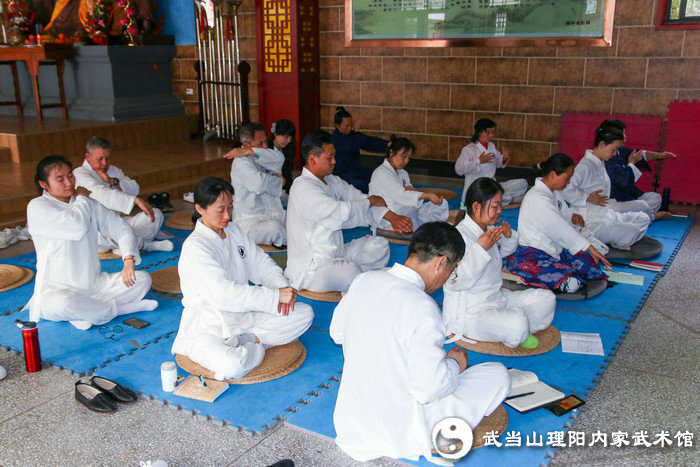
514	191
265	231
98	308
235	357
519	314
618	229
480	390
144	230
426	212
362	254
649	203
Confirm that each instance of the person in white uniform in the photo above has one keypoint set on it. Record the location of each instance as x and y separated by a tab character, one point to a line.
392	183
480	158
64	224
256	176
475	306
114	190
398	382
624	169
320	206
227	323
589	195
554	251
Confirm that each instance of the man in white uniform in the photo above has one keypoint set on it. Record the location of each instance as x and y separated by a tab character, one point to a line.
320	206
398	382
115	191
256	176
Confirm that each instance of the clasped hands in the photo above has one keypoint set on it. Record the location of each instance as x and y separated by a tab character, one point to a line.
489	238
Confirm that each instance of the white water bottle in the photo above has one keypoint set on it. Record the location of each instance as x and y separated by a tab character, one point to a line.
168	376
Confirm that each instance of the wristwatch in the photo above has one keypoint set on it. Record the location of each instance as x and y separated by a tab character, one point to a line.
115	182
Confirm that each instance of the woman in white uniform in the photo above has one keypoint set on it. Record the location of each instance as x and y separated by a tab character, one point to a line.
64	224
391	182
589	194
480	158
552	252
227	324
475	306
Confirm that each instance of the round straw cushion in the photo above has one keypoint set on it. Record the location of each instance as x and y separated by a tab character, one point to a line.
166	280
278	361
496	422
647	247
181	220
549	338
12	276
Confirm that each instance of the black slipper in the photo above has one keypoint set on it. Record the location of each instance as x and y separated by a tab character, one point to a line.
116	391
93	398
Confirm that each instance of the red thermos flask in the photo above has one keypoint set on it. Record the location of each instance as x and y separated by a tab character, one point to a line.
32	352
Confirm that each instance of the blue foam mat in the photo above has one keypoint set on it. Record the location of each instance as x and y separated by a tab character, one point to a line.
309	393
240	405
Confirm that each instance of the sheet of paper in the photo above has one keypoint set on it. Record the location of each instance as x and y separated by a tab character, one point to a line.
583	343
625	277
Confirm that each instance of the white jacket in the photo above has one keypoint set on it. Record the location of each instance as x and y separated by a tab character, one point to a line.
65	238
112	198
478	278
214	278
468	163
317	213
545	222
257	192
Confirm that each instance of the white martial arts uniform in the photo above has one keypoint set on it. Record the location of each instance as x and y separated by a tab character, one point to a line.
317	213
69	284
391	184
222	311
120	201
544	222
397	384
257	205
469	165
619	229
476	307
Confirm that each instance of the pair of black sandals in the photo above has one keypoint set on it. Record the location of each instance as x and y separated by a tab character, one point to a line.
102	395
161	201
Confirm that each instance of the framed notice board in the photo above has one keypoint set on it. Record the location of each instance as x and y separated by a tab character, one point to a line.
444	23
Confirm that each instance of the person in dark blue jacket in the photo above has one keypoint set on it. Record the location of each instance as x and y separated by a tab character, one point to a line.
348	143
624	169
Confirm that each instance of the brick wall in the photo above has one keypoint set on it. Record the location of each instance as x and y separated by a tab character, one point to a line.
434	95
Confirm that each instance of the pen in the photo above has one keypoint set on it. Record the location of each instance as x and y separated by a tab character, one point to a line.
520	395
204	383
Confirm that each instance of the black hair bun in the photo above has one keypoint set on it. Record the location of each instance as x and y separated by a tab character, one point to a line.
340	108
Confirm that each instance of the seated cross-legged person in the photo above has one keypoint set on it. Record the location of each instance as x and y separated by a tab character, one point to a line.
398	382
480	158
114	190
227	324
624	169
475	306
589	195
552	252
256	176
64	224
320	206
392	183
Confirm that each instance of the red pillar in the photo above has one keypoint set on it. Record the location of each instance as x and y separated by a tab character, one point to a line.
288	64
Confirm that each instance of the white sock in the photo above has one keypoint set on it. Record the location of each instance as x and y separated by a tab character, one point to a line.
133	307
571	285
82	325
163	245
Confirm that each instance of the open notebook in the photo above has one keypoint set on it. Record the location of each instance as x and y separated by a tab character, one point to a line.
526	381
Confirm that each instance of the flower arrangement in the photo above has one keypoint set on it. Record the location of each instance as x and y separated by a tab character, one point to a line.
99	21
128	22
20	15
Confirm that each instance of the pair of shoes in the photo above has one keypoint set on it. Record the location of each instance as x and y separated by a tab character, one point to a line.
102	394
8	237
161	201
